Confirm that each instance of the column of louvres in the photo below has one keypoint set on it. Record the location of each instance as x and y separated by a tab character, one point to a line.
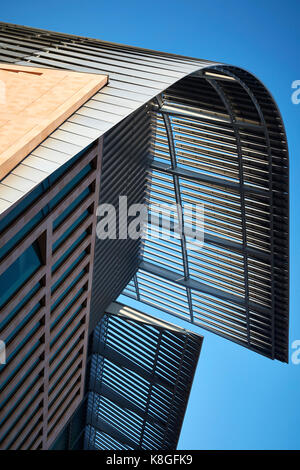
43	379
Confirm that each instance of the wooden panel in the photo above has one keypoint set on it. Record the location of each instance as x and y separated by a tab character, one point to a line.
36	102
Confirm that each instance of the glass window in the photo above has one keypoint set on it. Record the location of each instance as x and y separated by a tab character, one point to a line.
19	272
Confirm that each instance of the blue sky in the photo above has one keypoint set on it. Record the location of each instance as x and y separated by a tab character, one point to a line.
239	400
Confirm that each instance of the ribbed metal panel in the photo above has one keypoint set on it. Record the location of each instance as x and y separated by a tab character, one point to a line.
135	76
140	377
44	320
218	140
219	143
125	163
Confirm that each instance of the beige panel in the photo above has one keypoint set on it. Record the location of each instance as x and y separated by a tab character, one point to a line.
33	103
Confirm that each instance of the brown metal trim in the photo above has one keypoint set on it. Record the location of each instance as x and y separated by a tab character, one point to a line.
84	205
12	345
24	291
26	432
19	249
71	258
81	299
64	374
70	371
75	322
14	383
59	373
32	442
58	309
92	249
67	243
18	411
48	283
63	353
62	288
64	419
8	330
64	392
43	200
63	408
12	365
21	422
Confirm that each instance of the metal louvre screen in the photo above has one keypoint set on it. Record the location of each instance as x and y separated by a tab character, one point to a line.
141	372
218	143
168	130
46	265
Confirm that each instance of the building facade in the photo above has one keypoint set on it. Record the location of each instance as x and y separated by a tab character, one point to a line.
165	129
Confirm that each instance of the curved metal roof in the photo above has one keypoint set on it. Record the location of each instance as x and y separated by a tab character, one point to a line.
218	140
135	77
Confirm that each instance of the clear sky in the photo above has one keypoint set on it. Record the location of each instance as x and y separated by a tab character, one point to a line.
239	399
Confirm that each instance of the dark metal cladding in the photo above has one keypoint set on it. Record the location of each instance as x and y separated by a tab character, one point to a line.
141	372
219	141
126	159
46	266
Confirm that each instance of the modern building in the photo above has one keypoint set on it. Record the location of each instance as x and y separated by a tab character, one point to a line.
139	377
121	124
